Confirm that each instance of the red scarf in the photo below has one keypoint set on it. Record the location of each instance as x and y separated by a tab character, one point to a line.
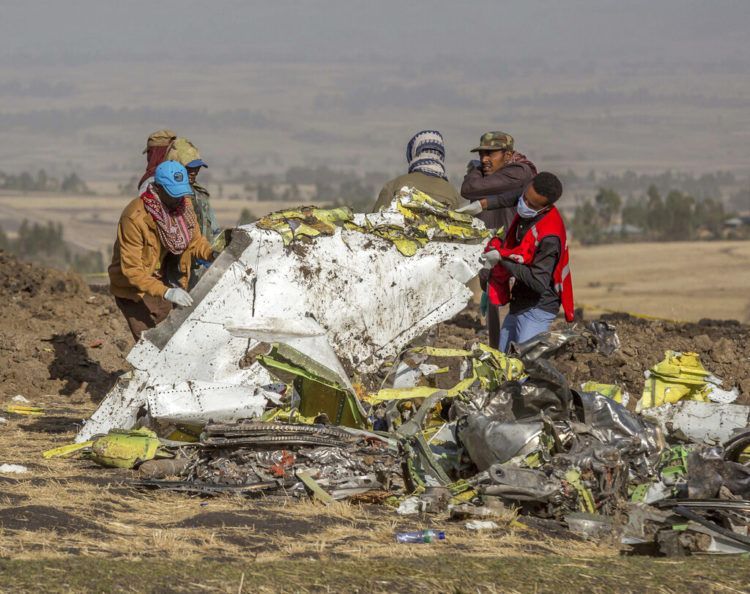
175	226
155	155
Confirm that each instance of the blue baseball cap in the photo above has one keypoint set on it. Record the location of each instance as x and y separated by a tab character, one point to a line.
173	177
197	163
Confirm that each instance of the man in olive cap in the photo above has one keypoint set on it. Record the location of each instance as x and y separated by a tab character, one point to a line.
492	185
494	182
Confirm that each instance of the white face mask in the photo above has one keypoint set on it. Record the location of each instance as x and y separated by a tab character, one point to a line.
524	210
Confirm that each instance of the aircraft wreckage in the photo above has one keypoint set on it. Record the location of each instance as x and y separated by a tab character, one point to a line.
260	386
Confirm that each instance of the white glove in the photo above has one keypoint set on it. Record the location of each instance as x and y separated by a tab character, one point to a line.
490	259
179	297
472	208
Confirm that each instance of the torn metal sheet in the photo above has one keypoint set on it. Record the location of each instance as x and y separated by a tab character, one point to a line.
708	422
201	402
368	299
489	442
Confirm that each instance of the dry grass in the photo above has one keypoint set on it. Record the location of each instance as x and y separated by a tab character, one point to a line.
71	526
63	507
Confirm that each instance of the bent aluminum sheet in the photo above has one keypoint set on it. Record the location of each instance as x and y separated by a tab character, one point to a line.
369	300
202	402
708	422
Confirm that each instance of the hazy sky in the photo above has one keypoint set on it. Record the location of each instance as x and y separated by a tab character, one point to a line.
70	31
262	84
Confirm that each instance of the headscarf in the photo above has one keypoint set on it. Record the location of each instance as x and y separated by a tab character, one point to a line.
426	153
521	158
174	226
158	145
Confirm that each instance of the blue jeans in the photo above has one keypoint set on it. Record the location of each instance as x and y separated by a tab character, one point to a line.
521	327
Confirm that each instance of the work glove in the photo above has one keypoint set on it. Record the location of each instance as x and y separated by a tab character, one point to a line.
472	208
490	259
179	297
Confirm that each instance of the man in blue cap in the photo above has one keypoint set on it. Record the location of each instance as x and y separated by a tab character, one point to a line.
185	152
158	235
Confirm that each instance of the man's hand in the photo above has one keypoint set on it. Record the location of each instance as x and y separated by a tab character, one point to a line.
490	259
179	297
472	208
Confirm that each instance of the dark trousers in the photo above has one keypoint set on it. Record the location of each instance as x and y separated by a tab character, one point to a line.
493	325
145	314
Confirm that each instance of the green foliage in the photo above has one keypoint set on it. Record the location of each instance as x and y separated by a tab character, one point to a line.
357	195
26	182
678	217
246	217
266	193
45	244
608	203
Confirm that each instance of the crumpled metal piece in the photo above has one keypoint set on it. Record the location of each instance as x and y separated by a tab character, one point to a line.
543	346
521	484
708	471
490	442
605	337
613	424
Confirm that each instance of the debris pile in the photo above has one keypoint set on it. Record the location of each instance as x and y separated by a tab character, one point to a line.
261	386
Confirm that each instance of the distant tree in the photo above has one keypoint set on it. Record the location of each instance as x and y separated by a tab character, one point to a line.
41	180
585	224
680	221
709	215
25	182
608	203
323	192
246	217
656	218
4	242
291	194
635	213
357	195
89	262
72	184
266	193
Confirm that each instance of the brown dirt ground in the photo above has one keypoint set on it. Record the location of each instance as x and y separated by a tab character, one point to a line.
70	515
59	340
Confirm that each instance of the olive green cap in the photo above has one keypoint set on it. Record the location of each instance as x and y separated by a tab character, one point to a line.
494	141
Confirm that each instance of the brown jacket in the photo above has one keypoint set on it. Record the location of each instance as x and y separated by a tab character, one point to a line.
435	187
138	254
501	189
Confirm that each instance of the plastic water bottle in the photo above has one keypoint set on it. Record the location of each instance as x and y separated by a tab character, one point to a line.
420	536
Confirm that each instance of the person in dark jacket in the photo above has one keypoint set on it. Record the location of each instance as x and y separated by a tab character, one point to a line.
492	185
542	284
494	182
